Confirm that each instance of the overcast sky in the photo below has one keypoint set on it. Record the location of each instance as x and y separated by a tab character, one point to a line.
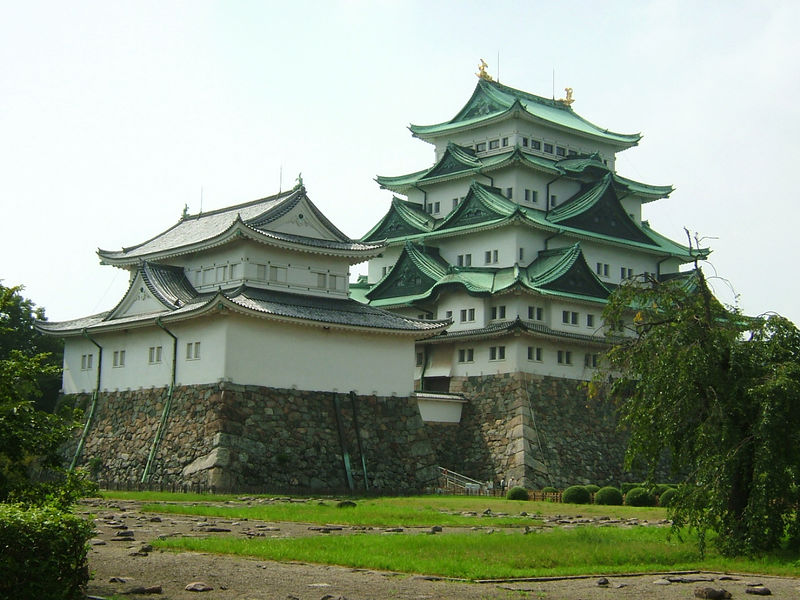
114	115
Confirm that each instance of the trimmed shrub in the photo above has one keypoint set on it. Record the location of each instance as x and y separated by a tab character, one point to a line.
662	487
592	488
549	489
576	494
667	497
43	553
627	487
609	496
517	493
639	497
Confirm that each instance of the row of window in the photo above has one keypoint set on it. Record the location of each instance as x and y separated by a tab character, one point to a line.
154	356
490	257
570	317
535	313
535	353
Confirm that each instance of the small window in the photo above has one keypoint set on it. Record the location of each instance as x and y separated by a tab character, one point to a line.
468	260
118	359
521	253
466	355
277	274
261	272
494	144
534	353
86	362
564	357
571	153
420	359
436	207
504	142
531	196
561	151
524	142
625	273
491	256
322	280
590	360
536	145
553	200
569	317
193	351
480	147
548	148
499	312
497	353
222	273
536	313
590	320
383	272
455	202
509	193
448	314
467	314
154	355
602	269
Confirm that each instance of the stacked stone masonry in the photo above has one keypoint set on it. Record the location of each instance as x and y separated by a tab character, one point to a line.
231	437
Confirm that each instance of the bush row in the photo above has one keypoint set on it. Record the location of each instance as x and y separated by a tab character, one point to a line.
630	494
43	553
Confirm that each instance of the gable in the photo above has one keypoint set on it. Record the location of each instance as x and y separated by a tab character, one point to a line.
138	300
301	220
578	279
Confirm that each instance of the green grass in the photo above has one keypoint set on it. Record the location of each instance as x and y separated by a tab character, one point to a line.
418	511
585	550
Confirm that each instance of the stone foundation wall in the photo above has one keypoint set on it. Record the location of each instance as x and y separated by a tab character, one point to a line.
246	437
537	430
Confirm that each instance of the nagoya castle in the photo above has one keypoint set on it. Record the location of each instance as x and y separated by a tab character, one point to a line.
518	233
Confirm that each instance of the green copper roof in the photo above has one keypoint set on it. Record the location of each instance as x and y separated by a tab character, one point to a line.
492	99
404	218
594	214
420	274
459	161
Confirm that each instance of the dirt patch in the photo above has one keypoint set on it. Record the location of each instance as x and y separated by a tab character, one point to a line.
122	561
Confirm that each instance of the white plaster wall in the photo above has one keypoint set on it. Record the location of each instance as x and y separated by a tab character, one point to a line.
457	300
138	372
438	411
445	192
478	243
387	259
274	354
616	257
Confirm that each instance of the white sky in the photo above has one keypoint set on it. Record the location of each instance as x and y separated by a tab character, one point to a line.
114	114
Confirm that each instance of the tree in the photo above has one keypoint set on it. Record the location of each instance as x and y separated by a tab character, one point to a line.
17	333
28	437
718	394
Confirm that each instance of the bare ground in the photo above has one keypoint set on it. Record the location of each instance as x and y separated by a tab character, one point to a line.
120	567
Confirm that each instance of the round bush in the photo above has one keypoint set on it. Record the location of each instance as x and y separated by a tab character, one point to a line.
517	493
662	487
592	488
549	489
639	497
576	494
627	487
609	495
667	497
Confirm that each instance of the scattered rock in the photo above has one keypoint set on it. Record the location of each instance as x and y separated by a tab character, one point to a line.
602	581
198	586
728	578
155	519
346	504
689	578
711	593
662	582
758	590
216	529
97	542
118	580
393	530
436	528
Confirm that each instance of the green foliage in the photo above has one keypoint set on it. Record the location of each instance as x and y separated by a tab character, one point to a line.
43	553
719	394
29	438
517	493
639	497
627	487
667	496
592	488
549	489
609	496
576	494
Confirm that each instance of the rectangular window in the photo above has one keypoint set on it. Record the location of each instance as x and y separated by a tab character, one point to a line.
336	283
436	207
208	276
494	144
277	274
505	142
590	320
383	272
590	360
86	362
536	145
463	315
497	353
521	253
524	142
499	312
602	269
455	202
561	151
119	358
625	273
571	153
193	351
568	317
509	193
466	355
534	353
531	196
154	355
480	147
261	272
491	256
548	148
322	280
222	273
553	200
448	314
420	358
536	313
564	357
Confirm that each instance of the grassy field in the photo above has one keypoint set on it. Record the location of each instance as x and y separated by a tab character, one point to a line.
506	553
